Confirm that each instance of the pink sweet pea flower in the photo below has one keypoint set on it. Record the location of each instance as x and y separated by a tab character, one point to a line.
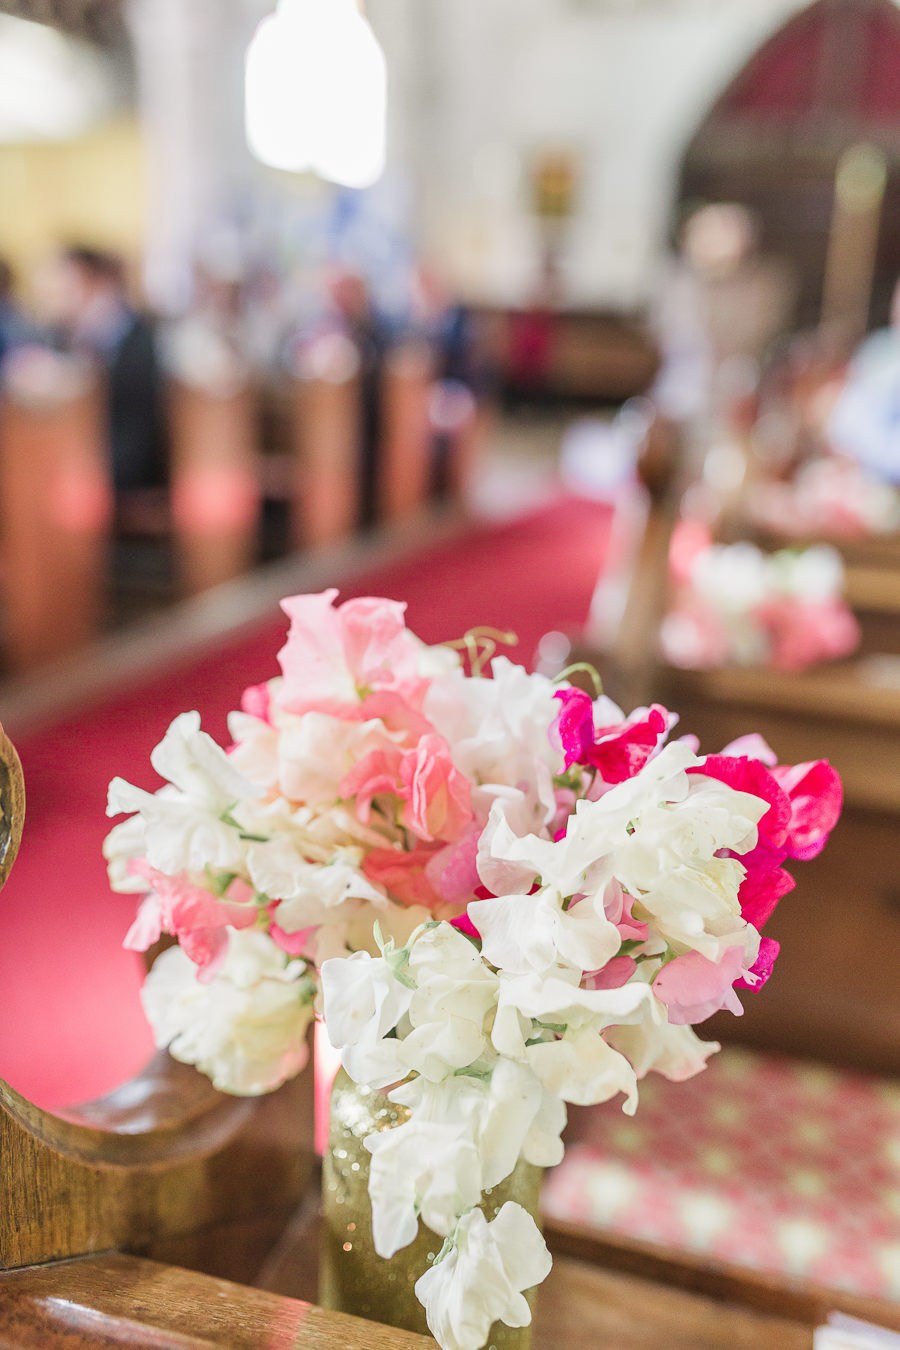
452	872
334	658
436	796
375	773
693	987
816	796
403	875
195	916
256	702
613	975
617	752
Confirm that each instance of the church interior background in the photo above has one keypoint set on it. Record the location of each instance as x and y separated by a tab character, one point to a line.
600	345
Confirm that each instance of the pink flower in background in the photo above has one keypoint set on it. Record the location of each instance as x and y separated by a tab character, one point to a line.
802	632
693	987
613	975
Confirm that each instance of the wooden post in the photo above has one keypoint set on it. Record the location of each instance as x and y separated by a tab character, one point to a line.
215	484
405	452
55	514
326	424
858	195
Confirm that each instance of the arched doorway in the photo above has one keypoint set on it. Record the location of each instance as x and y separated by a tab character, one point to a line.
829	79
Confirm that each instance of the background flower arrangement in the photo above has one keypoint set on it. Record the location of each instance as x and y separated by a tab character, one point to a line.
501	894
733	604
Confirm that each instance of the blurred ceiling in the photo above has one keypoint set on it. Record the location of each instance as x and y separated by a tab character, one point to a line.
98	21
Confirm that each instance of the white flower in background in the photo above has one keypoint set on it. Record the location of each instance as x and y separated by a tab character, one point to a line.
480	1280
419	1169
246	1027
184	829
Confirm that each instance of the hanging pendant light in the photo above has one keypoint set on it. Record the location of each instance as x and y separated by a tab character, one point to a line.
316	92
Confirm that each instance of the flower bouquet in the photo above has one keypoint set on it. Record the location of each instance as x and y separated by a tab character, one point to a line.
735	605
501	894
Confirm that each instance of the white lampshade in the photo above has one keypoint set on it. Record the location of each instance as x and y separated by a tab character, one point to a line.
316	92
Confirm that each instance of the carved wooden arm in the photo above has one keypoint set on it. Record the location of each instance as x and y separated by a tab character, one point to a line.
12	804
164	1165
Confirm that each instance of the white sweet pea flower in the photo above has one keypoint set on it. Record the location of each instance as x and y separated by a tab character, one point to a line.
310	893
676	1052
193	762
481	1279
125	842
362	1002
505	1110
498	731
420	1169
246	1027
254	752
522	933
556	1000
183	825
317	750
582	1068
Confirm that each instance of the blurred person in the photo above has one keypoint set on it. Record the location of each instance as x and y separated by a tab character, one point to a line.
14	328
721	303
90	315
354	314
864	424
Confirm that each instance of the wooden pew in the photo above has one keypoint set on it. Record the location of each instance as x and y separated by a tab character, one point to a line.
55	517
405	460
325	427
215	483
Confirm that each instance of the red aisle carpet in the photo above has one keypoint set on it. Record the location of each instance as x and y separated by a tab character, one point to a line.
72	1026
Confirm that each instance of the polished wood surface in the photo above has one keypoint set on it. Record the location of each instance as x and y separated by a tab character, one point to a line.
124	1301
163	1158
116	1300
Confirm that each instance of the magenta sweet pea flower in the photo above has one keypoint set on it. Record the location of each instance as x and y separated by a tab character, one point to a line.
617	752
752	776
762	966
816	796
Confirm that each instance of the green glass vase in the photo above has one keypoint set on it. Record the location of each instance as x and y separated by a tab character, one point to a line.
354	1279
